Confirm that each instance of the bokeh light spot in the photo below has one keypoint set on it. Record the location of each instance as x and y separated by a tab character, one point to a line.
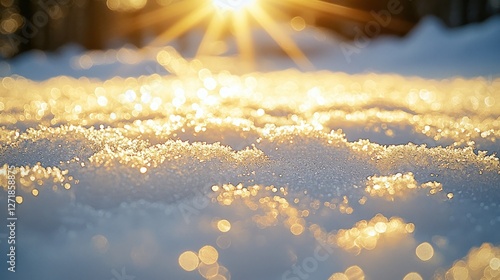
298	23
424	251
413	276
208	254
189	261
224	225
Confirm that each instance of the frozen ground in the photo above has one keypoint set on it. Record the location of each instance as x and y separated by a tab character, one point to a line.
275	175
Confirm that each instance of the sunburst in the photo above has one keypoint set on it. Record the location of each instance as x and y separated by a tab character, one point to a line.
239	16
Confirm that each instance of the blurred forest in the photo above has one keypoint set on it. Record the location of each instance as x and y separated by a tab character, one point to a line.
98	24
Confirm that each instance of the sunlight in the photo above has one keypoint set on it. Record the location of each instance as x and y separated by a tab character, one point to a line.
217	17
212	33
157	17
233	5
183	25
282	39
244	37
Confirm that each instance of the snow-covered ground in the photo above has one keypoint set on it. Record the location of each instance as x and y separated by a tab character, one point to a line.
213	174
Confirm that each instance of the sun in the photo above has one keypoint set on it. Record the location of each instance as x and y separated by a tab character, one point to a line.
240	16
233	5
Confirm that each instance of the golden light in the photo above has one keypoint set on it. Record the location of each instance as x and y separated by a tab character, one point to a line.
19	199
413	276
224	225
297	229
480	263
366	234
338	276
189	261
208	254
398	186
355	273
236	15
298	23
188	105
495	263
126	5
233	5
351	273
424	251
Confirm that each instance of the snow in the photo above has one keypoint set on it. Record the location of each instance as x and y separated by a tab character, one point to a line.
320	174
429	51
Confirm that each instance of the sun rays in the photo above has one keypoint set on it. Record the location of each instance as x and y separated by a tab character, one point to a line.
233	5
239	17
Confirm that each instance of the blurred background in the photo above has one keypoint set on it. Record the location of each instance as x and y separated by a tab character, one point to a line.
100	24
